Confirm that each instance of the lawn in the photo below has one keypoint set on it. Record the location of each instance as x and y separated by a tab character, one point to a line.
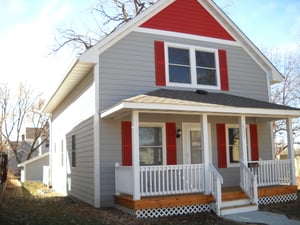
33	204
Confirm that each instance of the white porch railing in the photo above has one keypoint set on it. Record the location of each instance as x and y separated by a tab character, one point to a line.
272	172
175	179
215	186
123	179
161	180
248	183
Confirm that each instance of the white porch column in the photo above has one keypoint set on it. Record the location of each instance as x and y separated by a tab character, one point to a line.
243	140
290	143
135	155
205	149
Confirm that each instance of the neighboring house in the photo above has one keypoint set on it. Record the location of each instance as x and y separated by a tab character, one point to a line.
169	113
33	169
36	168
30	135
23	149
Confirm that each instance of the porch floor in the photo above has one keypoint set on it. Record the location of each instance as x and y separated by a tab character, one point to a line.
228	193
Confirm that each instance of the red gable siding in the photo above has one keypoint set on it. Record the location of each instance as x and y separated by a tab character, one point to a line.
188	16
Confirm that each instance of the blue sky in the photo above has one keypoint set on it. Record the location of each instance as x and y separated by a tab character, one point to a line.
27	30
274	23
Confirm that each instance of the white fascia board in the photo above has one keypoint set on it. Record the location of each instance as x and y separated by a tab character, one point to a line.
112	110
91	55
189	109
71	66
186	36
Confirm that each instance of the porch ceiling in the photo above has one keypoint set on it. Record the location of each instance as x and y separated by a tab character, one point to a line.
198	102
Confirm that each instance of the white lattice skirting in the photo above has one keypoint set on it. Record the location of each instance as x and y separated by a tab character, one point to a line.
277	199
182	210
162	212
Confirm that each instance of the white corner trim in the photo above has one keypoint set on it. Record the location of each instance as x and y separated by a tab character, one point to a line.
97	193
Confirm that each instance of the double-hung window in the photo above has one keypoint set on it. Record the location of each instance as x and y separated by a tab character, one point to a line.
152	145
190	66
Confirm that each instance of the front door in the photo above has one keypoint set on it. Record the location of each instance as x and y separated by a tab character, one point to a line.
192	147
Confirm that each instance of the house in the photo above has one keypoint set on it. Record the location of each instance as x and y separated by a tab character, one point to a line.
33	169
23	149
36	168
170	114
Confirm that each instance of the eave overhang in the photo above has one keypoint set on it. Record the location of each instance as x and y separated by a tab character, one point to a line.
75	74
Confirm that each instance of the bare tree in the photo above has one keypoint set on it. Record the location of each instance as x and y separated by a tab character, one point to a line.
16	111
285	93
40	122
108	16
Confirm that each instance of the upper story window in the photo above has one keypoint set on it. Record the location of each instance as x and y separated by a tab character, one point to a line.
190	66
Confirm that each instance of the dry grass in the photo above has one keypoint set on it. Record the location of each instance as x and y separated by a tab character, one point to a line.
34	204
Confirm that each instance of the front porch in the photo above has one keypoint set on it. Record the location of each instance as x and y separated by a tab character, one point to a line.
176	145
181	189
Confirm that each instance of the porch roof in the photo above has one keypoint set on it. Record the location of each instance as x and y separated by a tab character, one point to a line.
195	102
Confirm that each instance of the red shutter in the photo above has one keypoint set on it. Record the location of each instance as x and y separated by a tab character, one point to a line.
223	70
126	144
160	71
171	143
254	142
221	140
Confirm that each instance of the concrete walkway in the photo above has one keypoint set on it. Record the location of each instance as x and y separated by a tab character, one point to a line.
262	217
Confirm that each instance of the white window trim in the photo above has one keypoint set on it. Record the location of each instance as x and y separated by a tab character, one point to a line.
227	144
192	50
163	127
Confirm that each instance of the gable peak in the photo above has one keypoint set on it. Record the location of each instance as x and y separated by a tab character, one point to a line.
190	17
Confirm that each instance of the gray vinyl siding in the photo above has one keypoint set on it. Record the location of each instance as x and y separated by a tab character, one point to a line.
127	69
82	174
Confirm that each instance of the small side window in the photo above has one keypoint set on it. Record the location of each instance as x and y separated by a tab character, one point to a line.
73	150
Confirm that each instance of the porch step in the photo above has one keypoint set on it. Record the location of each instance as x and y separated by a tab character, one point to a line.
238	209
234	200
237	202
233	194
